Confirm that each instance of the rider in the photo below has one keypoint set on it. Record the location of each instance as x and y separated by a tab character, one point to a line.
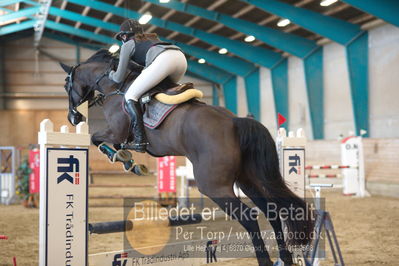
160	60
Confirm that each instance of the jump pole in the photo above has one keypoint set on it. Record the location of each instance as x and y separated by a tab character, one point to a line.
63	195
352	168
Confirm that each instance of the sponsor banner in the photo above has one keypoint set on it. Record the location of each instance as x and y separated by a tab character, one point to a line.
167	174
66	232
294	170
34	176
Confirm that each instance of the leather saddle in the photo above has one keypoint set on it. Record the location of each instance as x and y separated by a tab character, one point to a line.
165	86
175	89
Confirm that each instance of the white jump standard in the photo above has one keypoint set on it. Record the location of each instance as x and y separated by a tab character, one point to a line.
63	194
351	167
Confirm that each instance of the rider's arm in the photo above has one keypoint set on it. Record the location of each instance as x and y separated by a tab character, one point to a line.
127	50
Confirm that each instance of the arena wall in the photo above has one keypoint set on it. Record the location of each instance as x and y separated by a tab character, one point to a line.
383	92
36	81
28	73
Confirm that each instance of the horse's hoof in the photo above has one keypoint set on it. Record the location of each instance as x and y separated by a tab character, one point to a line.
140	169
122	156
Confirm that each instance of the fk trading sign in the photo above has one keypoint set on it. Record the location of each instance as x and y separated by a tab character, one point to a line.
291	152
66	201
294	170
63	194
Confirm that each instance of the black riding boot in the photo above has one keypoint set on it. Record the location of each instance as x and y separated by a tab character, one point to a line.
139	142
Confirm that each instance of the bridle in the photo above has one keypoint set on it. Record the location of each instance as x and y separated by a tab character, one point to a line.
70	90
98	99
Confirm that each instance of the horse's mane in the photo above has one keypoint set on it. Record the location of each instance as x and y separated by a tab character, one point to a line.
102	56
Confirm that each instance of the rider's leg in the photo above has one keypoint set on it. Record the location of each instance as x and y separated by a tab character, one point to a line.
134	110
170	63
181	67
166	64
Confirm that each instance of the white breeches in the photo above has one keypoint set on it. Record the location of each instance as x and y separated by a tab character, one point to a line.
170	63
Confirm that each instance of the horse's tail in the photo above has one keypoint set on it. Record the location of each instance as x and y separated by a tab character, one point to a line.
259	156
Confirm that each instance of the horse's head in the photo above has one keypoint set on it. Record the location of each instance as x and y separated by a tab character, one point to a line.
78	90
82	81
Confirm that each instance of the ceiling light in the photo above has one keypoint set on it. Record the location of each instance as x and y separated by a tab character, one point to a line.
283	22
327	2
223	51
145	18
164	1
114	48
201	61
249	38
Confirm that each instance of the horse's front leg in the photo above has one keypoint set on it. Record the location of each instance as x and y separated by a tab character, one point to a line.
100	139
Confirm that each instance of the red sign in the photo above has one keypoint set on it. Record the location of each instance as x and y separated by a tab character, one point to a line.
34	177
167	174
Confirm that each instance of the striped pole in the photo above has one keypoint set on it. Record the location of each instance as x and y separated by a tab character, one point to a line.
324	176
321	167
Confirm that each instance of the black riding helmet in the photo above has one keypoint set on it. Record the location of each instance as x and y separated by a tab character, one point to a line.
129	27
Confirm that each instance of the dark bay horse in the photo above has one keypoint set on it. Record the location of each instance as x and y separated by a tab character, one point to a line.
223	149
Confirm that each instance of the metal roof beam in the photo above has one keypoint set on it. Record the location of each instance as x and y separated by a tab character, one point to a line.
258	55
211	73
85	11
9	2
30	2
194	75
109	15
18	14
241	67
84	19
290	43
17	27
230	95
189	23
387	10
79	32
62	7
64	39
330	11
337	30
166	16
230	64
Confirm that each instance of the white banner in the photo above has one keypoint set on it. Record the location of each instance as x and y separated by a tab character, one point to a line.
66	233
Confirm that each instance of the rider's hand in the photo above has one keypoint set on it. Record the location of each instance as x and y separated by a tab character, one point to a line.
111	75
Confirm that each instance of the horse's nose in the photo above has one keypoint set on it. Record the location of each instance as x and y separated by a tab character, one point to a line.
74	119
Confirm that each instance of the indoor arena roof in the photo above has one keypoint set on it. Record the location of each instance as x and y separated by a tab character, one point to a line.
179	20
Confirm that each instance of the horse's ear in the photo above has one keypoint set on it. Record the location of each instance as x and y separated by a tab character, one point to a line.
66	68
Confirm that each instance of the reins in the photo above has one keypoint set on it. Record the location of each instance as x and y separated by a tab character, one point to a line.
101	97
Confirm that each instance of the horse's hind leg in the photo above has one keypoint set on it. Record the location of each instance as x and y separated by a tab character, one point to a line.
251	190
241	212
217	184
